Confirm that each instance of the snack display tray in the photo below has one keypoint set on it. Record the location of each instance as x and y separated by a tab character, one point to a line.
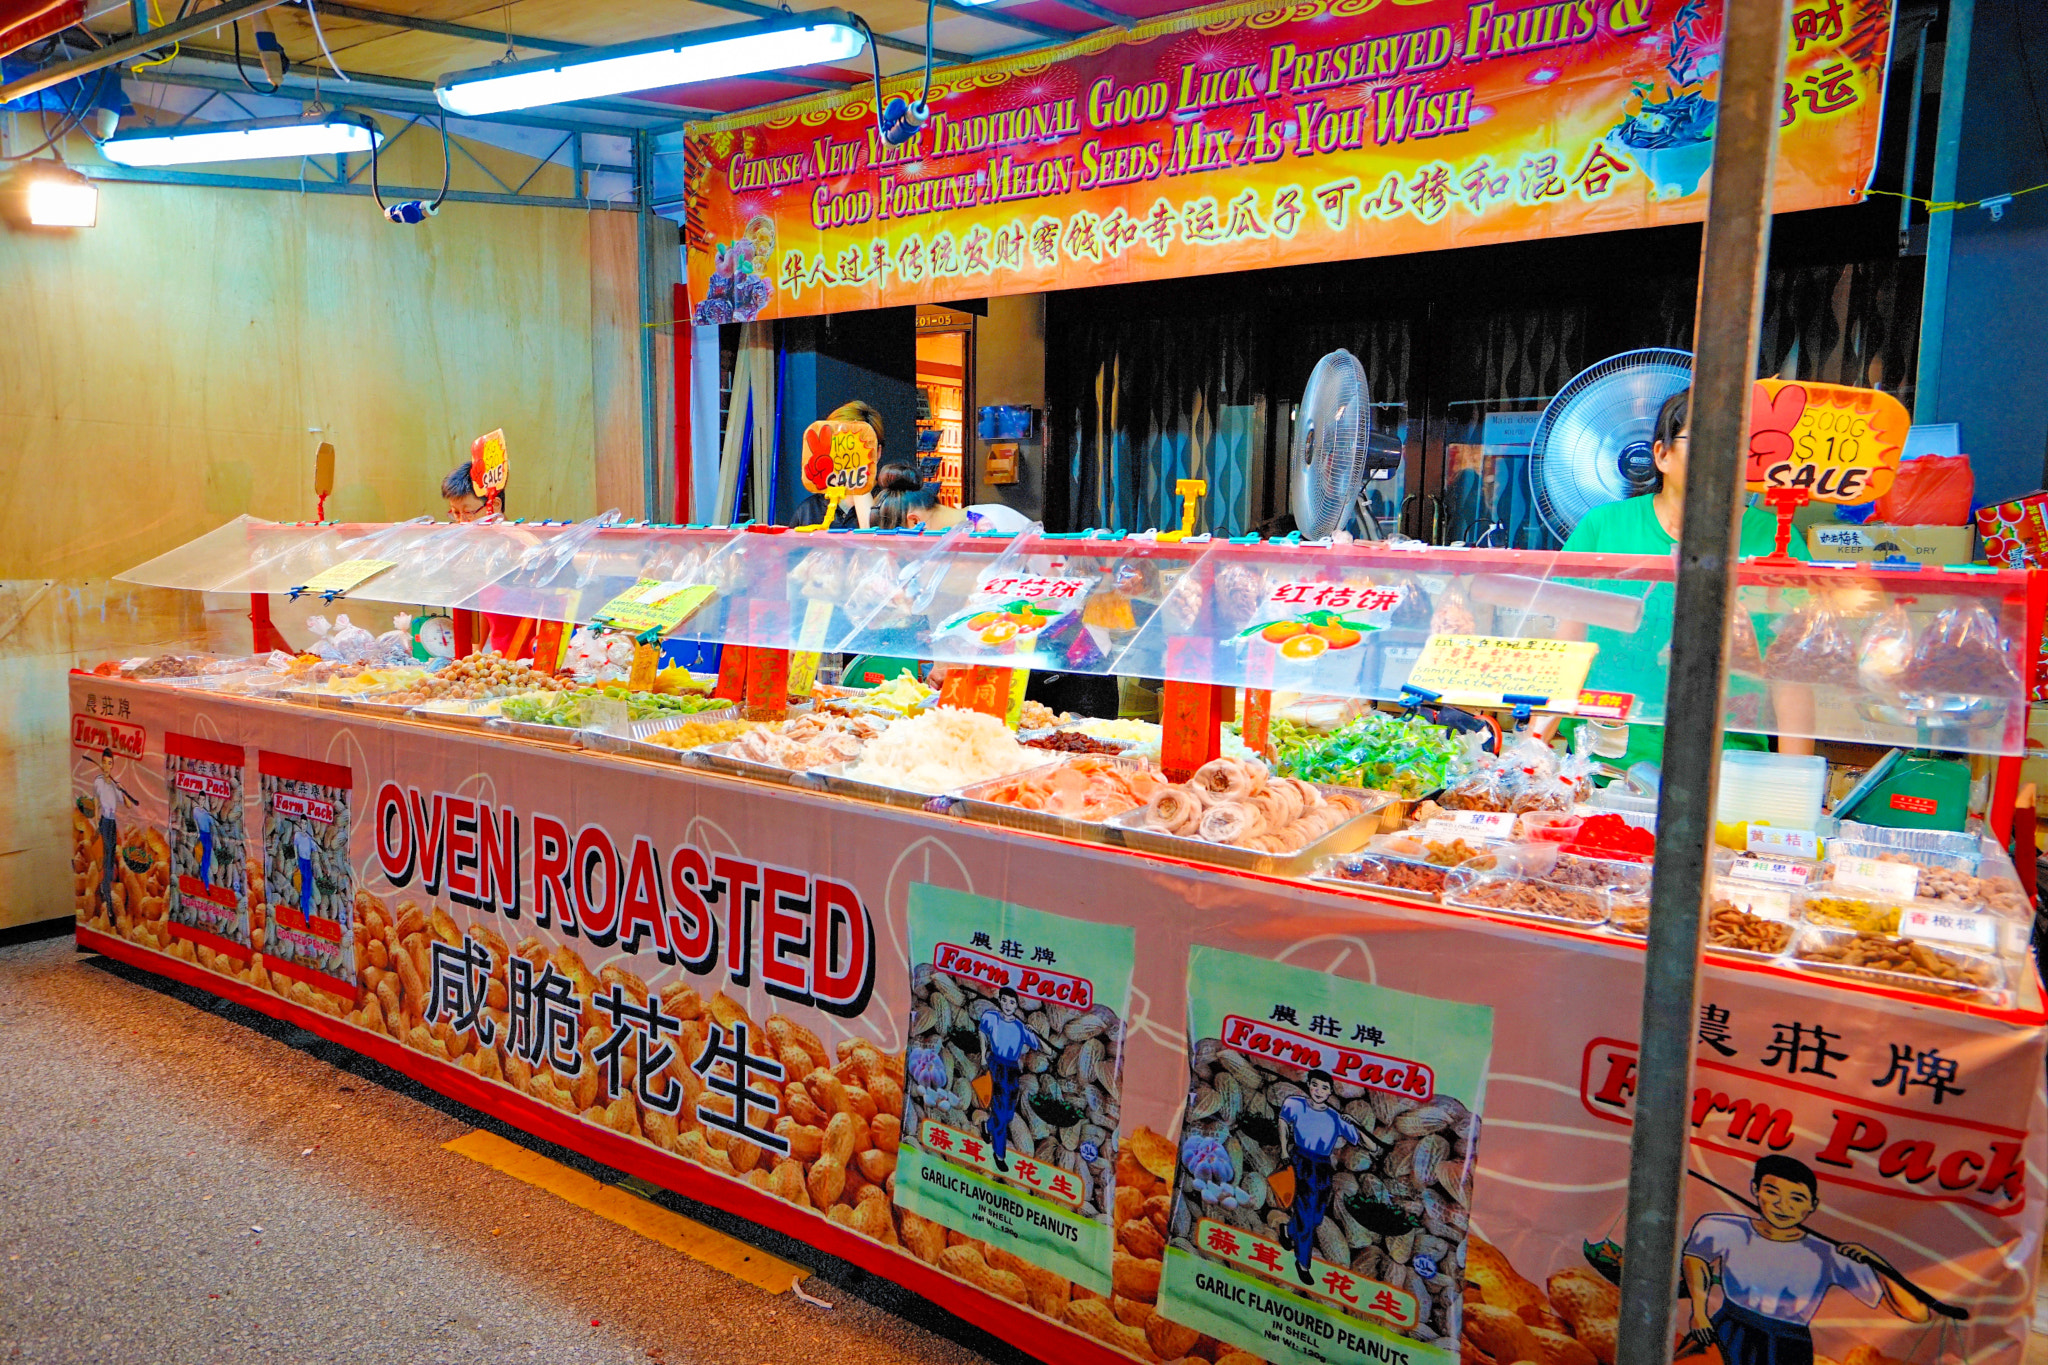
1325	872
830	778
565	736
351	701
971	801
467	714
1345	838
718	758
1814	938
633	743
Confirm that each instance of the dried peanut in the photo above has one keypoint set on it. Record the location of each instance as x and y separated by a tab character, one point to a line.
965	1262
827	1180
805	1141
1169	1339
1136	1278
924	1239
1099	1320
876	1164
888	1131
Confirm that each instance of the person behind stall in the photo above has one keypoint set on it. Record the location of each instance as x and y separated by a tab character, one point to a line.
1005	1040
857	510
1312	1130
1774	1274
465	504
1649	524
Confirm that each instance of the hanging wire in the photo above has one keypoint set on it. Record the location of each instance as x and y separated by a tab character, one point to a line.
73	116
377	188
156	19
243	73
321	38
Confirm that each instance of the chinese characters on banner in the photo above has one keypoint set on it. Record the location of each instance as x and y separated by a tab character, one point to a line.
1323	1118
1014	1078
1240	136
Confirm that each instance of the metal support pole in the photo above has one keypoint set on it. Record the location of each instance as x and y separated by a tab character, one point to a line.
134	45
650	437
1948	145
1733	257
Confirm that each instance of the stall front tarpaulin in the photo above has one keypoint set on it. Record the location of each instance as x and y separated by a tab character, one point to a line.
734	988
1245	136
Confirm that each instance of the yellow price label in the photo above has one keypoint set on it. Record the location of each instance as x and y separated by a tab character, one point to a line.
1839	444
653	604
1482	670
489	463
336	579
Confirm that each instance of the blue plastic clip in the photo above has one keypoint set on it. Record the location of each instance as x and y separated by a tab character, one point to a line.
1253	539
1412	697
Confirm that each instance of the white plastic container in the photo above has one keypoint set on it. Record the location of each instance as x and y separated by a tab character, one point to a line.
1783	789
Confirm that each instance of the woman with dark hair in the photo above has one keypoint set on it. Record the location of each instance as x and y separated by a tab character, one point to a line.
1649	524
902	498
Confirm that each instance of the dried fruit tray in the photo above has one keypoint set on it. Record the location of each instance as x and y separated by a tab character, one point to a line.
1345	838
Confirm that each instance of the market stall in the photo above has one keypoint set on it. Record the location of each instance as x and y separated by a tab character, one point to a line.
1120	1050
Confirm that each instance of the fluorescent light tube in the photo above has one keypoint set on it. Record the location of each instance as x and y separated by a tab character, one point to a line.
810	38
243	140
62	199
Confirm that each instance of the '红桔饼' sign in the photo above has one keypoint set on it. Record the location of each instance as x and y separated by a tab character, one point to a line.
1250	135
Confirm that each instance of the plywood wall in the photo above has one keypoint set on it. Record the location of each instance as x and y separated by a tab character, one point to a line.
179	365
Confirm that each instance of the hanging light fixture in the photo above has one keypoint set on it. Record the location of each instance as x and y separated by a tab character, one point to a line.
49	194
319	133
811	38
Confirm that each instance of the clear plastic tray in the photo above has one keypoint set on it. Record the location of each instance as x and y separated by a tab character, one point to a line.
635	742
718	758
456	711
567	736
1871	912
1982	977
1956	848
1347	837
1494	891
973	802
1376	873
1415	845
831	778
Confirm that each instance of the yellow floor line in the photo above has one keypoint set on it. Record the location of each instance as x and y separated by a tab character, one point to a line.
652	1221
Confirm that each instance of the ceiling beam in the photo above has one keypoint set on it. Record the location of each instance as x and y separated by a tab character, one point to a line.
1102	12
499	38
383	103
135	45
1018	22
760	11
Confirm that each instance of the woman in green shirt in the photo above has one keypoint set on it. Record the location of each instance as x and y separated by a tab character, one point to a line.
1649	525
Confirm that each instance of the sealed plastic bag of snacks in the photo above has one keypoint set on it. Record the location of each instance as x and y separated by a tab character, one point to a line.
1745	656
1886	649
1960	654
1812	647
1486	787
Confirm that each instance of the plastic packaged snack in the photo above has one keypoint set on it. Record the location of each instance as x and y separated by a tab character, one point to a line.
1812	647
1960	654
1745	655
1886	650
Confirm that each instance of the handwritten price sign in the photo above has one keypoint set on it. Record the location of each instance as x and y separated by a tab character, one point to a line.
1480	670
489	464
1839	444
839	455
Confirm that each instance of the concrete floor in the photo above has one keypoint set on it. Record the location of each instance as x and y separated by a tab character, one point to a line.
183	1180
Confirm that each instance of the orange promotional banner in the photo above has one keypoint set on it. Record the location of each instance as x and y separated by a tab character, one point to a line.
1245	136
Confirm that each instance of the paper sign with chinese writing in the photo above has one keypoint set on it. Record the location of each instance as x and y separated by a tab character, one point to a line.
1875	874
1779	841
1017	1021
1839	444
1605	705
1244	136
1024	619
652	604
1491	824
1479	670
336	579
1948	926
1296	1073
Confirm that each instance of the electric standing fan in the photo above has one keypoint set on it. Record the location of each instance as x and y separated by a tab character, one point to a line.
1332	438
1592	443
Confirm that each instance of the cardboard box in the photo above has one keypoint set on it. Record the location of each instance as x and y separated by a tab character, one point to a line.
1921	544
2016	533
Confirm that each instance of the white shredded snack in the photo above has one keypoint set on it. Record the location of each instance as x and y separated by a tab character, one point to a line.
942	749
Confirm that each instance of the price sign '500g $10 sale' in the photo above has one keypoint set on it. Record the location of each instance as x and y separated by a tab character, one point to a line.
1840	444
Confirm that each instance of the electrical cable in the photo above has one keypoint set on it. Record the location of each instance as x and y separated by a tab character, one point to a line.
74	115
314	15
906	118
243	73
410	210
157	19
